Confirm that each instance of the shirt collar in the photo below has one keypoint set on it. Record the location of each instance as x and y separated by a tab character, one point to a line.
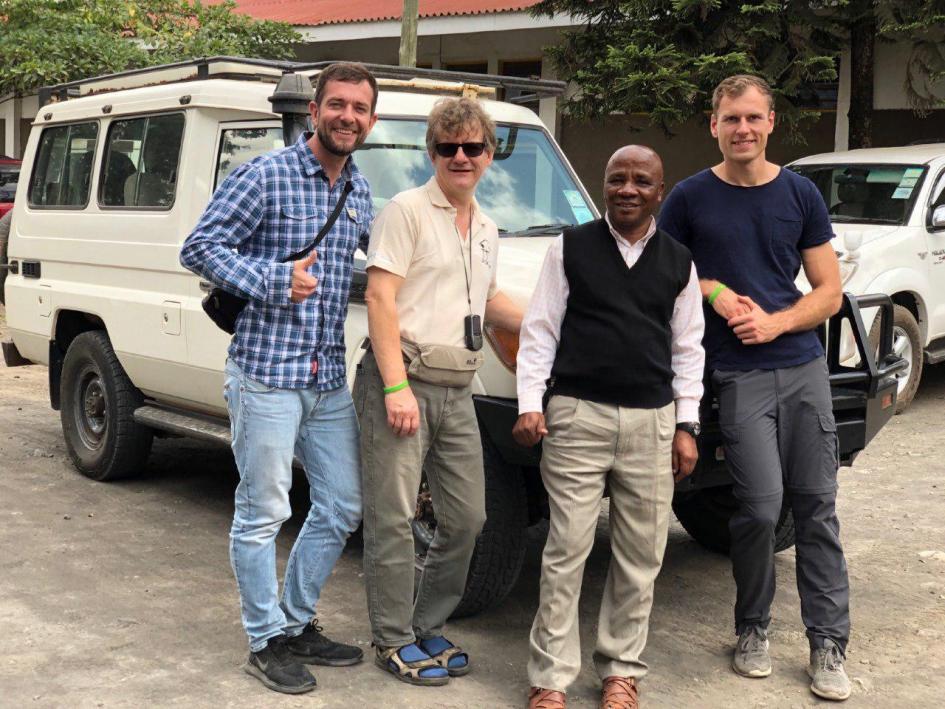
310	164
651	230
439	200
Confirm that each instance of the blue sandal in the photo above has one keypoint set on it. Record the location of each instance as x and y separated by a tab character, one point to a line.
453	659
411	664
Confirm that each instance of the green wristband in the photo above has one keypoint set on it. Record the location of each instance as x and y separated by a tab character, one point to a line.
715	293
396	387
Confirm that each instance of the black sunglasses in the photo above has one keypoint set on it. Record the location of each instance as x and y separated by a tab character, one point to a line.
449	150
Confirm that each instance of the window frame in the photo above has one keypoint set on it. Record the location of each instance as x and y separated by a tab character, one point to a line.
35	167
105	147
265	123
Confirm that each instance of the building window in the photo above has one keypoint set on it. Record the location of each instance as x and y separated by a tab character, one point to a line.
469	67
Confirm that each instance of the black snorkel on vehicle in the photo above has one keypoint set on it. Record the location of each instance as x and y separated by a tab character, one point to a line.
290	100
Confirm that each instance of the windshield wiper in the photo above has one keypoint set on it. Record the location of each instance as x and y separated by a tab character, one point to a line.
845	219
542	229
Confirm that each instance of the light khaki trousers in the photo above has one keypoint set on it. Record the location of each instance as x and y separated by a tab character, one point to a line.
589	445
448	448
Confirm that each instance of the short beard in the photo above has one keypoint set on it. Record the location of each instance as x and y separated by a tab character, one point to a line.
324	137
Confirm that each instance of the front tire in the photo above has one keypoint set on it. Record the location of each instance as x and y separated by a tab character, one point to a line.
97	411
907	343
705	514
500	547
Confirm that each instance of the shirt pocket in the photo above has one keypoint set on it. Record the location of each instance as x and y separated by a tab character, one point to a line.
785	240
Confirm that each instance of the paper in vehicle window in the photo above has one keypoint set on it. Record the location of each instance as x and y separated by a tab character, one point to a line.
582	214
578	206
902	193
574	198
915	172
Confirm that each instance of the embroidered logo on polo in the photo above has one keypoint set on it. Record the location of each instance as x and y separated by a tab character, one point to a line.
485	252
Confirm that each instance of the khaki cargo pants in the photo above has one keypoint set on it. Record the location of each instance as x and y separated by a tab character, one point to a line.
448	448
589	445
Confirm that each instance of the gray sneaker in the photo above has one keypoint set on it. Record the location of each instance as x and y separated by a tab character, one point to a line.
751	653
830	680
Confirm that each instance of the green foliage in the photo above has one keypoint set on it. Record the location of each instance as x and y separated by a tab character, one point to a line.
45	42
664	57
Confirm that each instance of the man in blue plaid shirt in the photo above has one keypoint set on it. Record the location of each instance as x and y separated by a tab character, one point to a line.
285	375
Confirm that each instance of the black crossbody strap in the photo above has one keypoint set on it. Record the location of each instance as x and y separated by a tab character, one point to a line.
332	218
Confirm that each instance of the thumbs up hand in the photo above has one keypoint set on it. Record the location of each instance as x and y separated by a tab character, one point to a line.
303	282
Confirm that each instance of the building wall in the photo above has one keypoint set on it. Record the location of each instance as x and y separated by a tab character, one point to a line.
489	47
589	145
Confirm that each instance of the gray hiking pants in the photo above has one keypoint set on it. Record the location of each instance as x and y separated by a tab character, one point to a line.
780	441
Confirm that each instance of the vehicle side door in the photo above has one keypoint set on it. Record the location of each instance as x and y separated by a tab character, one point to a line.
936	252
236	143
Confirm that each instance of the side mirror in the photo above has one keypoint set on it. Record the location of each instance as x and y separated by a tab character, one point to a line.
852	240
938	216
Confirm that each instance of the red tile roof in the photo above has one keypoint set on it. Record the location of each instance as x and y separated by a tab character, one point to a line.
329	12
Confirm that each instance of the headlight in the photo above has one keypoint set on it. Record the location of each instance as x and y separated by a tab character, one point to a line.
505	345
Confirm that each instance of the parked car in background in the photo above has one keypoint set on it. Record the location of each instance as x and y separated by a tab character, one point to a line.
9	175
887	206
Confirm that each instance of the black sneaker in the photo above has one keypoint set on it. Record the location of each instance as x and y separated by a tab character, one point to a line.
278	669
313	648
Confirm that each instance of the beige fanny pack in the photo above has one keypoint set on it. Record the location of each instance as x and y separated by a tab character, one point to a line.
441	364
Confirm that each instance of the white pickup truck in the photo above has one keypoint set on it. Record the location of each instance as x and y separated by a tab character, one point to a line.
887	206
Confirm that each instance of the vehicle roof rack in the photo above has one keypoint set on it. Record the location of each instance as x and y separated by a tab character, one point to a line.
516	89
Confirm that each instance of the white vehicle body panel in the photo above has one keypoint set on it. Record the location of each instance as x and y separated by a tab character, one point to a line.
121	265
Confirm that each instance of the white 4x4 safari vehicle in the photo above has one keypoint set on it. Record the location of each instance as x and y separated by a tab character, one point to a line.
118	171
887	206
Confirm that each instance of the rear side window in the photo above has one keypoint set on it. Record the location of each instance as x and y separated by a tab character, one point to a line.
142	156
63	171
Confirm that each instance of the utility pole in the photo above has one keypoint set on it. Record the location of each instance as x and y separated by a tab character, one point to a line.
408	34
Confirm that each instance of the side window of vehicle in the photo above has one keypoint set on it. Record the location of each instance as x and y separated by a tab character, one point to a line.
142	157
238	145
62	174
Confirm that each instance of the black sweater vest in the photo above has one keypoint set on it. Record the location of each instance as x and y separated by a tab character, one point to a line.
616	339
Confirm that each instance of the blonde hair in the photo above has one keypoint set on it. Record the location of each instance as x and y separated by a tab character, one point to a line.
735	86
451	116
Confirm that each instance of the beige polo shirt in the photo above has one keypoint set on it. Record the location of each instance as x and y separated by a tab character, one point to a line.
414	236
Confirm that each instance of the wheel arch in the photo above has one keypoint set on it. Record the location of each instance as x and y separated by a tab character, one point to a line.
69	324
906	287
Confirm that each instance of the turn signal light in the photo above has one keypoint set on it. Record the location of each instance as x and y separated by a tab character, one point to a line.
505	345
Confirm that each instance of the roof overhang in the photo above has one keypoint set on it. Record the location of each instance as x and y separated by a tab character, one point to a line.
435	26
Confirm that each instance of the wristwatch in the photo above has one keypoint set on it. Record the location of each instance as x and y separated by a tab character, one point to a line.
691	427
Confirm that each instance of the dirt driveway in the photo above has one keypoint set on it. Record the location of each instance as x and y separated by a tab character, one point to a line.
120	595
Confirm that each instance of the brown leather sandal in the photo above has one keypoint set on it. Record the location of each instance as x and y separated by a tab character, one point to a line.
619	693
539	698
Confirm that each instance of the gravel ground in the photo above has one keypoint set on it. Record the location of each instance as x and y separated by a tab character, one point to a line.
120	595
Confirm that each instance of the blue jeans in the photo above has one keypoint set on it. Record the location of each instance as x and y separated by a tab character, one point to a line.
269	425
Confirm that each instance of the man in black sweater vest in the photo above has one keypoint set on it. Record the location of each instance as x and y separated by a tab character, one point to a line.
614	328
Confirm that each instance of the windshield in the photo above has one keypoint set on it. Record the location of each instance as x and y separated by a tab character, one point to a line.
527	187
876	194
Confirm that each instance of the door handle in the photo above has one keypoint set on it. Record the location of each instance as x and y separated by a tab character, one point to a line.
206	286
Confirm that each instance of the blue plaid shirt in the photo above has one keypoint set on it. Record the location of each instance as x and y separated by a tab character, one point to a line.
266	210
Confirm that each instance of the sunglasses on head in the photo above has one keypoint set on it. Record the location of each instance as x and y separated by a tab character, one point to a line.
449	150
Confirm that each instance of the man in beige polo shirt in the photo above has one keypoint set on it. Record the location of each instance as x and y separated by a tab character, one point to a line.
431	281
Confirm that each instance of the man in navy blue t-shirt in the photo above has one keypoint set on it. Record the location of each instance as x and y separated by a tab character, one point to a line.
750	225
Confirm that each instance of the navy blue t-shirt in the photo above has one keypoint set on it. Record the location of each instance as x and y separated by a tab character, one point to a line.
750	238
